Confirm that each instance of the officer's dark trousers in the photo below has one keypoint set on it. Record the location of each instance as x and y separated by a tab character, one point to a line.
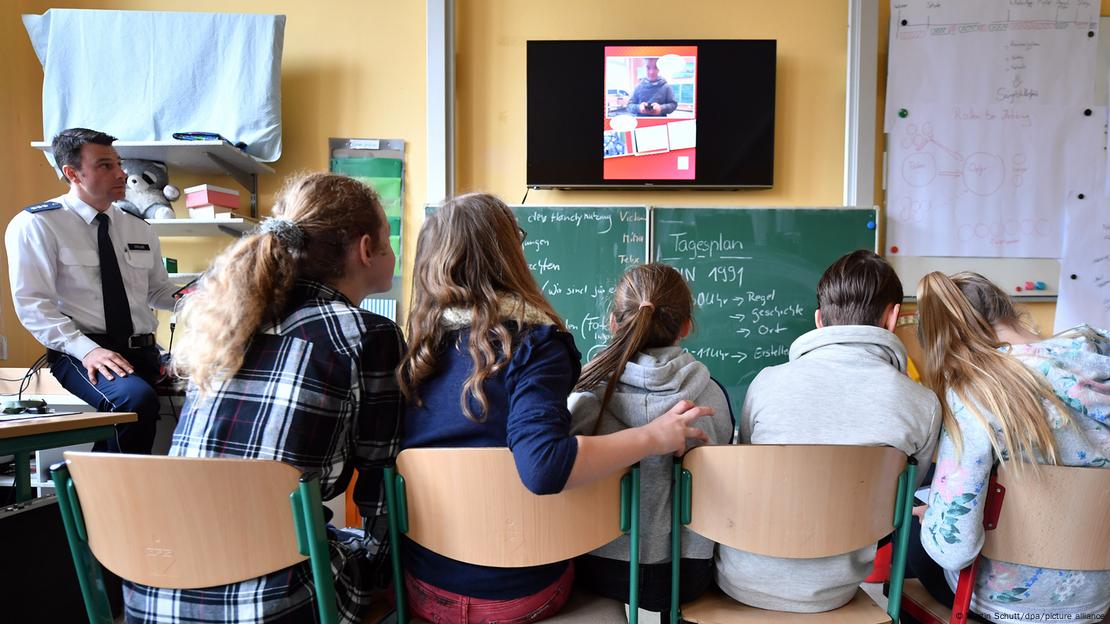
133	393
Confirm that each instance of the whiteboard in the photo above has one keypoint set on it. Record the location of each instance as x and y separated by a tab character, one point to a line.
1008	273
1011	274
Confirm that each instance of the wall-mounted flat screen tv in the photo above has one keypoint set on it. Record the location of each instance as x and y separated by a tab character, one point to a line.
651	114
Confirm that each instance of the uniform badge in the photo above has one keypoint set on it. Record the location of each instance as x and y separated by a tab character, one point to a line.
43	207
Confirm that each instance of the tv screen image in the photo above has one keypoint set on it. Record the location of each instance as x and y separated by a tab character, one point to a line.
650	113
671	114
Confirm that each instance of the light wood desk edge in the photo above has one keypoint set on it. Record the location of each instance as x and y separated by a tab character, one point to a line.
49	424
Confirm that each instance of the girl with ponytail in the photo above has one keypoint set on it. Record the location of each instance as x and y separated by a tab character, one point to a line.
490	364
284	365
635	378
1007	394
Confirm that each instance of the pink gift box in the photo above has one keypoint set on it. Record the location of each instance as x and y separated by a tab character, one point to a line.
208	194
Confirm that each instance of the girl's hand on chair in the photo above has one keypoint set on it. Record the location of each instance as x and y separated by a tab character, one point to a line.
670	431
919	511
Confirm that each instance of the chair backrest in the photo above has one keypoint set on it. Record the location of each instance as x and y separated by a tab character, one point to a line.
470	505
1053	517
794	501
181	523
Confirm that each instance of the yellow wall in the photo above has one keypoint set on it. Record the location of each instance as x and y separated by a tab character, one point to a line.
809	121
809	132
332	85
350	68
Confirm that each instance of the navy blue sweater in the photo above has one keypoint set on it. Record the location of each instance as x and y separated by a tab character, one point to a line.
527	413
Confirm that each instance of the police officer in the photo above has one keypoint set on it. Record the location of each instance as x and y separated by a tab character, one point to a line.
84	277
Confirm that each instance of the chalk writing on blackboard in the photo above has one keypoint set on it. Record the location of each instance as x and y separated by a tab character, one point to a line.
577	254
753	274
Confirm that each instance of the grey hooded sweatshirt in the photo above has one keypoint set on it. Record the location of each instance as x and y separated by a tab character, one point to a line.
844	384
652	382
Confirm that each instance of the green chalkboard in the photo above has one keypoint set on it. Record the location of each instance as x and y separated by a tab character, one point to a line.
753	273
577	254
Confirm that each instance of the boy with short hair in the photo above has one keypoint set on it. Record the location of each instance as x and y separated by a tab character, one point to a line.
845	383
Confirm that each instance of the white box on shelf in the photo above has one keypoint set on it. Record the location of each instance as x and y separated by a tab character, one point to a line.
210	211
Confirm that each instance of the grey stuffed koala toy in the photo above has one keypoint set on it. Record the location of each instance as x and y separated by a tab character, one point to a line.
149	192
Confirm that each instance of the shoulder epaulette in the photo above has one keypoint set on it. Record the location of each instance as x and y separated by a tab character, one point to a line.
43	207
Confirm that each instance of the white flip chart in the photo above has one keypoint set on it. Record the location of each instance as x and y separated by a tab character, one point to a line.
988	180
991	52
1085	265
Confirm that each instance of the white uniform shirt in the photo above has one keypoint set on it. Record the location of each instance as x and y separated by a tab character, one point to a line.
54	267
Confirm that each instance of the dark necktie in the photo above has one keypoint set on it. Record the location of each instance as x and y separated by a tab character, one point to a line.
117	312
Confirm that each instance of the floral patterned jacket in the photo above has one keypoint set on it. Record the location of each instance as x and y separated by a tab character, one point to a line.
1078	368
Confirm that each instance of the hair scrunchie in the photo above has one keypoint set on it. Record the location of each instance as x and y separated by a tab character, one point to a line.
285	230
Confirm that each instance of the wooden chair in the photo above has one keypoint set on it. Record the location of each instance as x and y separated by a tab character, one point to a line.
797	502
1023	525
177	522
504	524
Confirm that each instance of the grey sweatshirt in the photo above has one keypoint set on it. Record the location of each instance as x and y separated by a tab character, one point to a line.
652	382
843	384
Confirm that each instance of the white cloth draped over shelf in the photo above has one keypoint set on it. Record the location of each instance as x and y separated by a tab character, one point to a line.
143	75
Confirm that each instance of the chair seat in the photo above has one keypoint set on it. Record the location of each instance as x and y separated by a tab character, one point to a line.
914	596
716	607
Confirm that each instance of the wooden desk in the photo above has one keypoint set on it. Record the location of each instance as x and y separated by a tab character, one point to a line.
23	437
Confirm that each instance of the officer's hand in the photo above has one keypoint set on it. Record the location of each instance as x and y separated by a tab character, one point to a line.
106	362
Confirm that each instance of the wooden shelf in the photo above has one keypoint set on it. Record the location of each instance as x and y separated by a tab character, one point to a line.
219	157
215	157
202	227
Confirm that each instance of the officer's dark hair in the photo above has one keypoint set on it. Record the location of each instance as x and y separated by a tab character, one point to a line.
67	145
857	289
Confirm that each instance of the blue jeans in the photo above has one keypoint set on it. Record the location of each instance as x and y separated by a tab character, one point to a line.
133	393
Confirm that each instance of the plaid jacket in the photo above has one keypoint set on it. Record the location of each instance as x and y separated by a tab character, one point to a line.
316	390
